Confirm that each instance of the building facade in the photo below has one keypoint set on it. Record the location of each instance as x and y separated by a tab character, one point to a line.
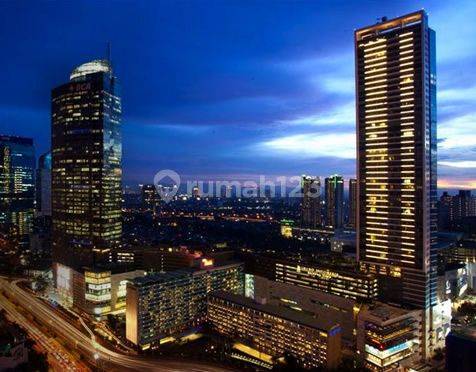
86	166
334	201
389	337
17	187
276	330
311	202
396	135
162	305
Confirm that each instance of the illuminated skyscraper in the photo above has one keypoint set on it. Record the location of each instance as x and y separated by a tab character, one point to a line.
335	201
17	189
86	166
352	203
396	132
311	202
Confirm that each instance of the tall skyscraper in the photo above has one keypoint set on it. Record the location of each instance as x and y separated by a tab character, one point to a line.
43	185
396	133
17	188
311	202
335	201
86	168
352	203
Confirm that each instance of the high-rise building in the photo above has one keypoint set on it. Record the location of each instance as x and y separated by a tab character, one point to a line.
43	185
86	166
396	132
463	205
161	305
445	211
17	188
335	201
311	202
352	203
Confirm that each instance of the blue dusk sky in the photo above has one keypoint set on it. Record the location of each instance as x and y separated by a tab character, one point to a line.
230	89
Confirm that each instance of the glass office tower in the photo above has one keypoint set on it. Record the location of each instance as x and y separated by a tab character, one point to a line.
17	188
86	167
335	201
396	135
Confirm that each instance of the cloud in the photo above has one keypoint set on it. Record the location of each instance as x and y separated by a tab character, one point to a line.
459	164
339	145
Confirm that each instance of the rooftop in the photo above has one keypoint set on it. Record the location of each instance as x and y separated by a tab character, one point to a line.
98	65
278	311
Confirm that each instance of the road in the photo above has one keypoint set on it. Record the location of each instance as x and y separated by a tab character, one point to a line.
60	359
91	349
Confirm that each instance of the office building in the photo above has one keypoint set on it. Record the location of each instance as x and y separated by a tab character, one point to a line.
43	185
396	133
334	201
353	203
17	187
311	202
162	305
86	166
275	331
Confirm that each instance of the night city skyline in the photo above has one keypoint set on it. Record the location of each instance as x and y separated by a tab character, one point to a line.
230	91
253	186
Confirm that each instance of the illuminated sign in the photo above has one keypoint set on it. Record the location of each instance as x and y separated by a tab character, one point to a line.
388	352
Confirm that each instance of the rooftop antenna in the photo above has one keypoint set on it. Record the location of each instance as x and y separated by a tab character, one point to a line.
109	53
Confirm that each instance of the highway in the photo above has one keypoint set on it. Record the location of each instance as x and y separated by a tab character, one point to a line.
57	355
88	347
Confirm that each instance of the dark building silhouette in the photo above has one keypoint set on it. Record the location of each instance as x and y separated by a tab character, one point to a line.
43	185
352	203
334	187
311	202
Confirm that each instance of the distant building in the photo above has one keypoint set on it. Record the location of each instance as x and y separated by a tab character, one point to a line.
150	197
165	304
17	187
311	202
454	209
445	212
275	330
344	242
334	201
345	281
353	203
43	185
463	205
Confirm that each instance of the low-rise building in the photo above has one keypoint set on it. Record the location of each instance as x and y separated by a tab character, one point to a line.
275	330
388	338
